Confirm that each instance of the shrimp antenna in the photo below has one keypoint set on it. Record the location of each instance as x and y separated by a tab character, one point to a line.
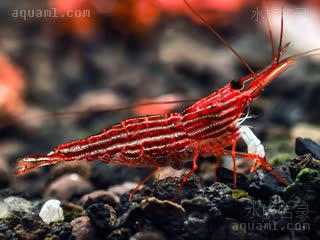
57	114
313	52
270	32
219	36
281	36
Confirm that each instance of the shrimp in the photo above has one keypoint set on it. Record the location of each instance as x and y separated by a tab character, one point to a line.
205	128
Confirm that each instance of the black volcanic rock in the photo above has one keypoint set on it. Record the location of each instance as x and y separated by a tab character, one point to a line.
103	216
269	185
226	176
165	189
166	215
306	145
301	162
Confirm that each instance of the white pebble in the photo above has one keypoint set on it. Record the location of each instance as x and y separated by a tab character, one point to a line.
51	211
4	210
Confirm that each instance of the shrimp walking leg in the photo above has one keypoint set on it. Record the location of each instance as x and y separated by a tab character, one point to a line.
216	166
193	169
256	148
233	154
143	182
260	161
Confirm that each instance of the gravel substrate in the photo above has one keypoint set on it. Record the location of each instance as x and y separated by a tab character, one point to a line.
113	67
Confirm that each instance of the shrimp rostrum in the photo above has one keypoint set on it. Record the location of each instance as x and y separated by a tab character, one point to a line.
205	128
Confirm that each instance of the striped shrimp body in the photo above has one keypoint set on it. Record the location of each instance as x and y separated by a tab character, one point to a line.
205	128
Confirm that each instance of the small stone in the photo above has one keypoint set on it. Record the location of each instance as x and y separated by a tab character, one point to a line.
215	218
6	232
165	214
4	210
51	237
31	227
198	204
165	189
68	186
82	168
269	185
18	205
12	220
4	173
120	234
133	216
82	228
225	175
51	211
99	196
306	145
102	216
243	210
216	192
169	172
148	235
196	228
63	230
124	205
121	189
301	162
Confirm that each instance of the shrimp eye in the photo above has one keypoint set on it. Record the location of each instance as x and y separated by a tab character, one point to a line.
237	84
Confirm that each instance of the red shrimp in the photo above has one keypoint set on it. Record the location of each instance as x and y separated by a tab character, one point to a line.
205	128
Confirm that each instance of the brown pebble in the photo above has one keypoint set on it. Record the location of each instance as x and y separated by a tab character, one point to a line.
83	169
4	173
99	196
71	207
51	237
148	235
64	187
159	211
24	234
170	172
31	227
82	228
122	188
